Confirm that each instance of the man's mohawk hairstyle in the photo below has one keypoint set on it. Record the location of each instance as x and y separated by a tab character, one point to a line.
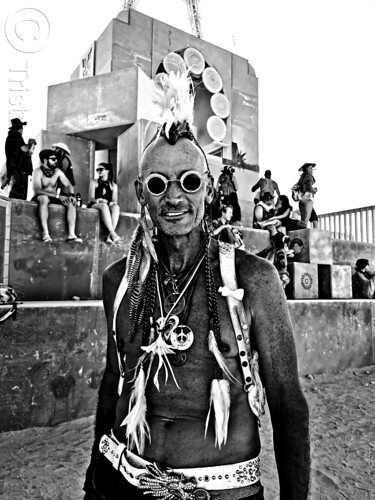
174	97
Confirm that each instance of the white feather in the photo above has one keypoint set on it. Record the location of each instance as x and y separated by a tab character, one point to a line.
213	347
220	401
137	428
173	97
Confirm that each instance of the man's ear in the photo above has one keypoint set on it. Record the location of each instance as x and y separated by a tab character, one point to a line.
209	189
139	192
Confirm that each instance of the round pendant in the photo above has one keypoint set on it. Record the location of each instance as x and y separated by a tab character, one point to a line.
178	358
171	300
182	337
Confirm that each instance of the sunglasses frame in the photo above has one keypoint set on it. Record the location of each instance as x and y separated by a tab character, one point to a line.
180	181
99	170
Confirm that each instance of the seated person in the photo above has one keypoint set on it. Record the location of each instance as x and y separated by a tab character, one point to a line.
46	180
363	281
264	210
103	194
222	225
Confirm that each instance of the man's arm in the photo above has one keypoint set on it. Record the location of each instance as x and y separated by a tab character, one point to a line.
276	187
65	182
256	186
108	391
273	338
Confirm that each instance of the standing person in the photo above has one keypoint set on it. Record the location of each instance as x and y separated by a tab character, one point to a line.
18	159
202	420
307	187
363	280
227	188
103	194
46	180
64	162
265	184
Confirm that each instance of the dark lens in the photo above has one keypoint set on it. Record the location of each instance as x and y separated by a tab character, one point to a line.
191	183
156	185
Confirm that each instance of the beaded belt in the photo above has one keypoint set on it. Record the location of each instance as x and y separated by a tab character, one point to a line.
188	483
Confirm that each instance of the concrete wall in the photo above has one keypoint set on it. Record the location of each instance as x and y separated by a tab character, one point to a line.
59	270
347	252
51	361
52	355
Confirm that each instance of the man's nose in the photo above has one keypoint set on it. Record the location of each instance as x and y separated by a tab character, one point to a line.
174	190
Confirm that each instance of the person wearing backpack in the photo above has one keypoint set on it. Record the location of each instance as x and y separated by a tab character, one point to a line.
306	186
265	184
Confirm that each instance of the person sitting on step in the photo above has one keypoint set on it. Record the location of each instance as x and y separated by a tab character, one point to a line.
46	180
103	194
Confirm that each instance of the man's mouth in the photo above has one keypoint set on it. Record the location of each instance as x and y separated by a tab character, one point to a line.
173	214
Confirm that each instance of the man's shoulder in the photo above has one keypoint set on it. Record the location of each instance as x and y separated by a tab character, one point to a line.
38	171
250	265
113	274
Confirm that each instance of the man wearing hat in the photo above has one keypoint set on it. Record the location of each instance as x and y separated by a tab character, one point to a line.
306	185
46	179
18	160
363	281
265	184
63	161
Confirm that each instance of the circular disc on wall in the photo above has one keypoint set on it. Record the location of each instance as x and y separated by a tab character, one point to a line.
216	128
194	60
220	105
174	62
212	80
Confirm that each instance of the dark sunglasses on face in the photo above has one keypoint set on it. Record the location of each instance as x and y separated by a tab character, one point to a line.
190	181
100	170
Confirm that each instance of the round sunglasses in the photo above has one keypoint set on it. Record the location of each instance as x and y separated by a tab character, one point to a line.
190	181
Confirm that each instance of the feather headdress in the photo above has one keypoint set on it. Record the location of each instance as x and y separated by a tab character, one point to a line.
174	99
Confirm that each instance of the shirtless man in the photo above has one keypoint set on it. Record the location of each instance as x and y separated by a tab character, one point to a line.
162	306
46	180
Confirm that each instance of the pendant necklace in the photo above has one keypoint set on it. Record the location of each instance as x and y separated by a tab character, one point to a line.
178	336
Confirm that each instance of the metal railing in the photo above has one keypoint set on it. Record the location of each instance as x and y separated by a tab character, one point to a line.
357	224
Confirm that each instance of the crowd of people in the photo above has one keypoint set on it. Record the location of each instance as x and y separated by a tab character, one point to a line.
53	182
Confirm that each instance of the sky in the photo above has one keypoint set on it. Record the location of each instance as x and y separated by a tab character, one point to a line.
314	60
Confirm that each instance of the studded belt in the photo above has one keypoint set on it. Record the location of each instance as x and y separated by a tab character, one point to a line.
187	483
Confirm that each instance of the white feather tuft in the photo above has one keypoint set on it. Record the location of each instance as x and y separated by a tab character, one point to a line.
173	97
213	347
137	428
220	401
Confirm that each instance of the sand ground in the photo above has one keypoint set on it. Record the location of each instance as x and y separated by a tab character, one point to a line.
49	462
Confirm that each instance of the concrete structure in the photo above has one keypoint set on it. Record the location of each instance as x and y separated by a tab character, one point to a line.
108	101
52	356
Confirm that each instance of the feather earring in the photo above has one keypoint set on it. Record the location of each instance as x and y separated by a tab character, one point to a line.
147	234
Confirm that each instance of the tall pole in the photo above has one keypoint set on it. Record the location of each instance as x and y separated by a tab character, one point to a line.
194	17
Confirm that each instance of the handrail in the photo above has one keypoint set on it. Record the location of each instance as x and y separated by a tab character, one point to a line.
356	224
